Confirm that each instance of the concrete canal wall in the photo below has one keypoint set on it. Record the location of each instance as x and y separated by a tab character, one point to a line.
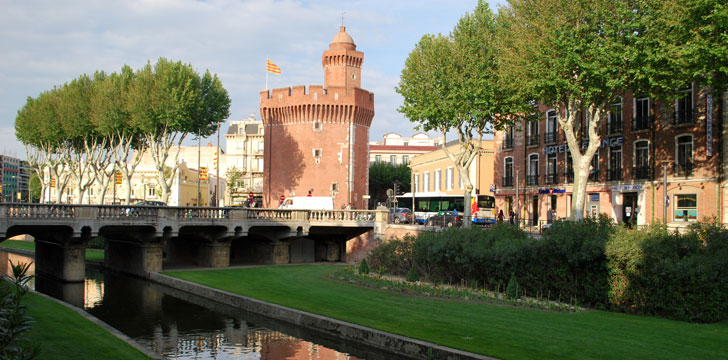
384	341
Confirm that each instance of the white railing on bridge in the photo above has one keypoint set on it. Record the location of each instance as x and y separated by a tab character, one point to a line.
39	211
121	212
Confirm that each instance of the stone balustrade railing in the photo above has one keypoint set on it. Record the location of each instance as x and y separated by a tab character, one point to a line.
122	212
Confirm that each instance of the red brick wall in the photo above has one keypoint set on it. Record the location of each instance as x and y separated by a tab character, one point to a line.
345	113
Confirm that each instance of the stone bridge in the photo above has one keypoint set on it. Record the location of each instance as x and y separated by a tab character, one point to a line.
143	239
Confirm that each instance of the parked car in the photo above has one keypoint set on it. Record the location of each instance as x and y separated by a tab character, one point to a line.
131	211
446	218
402	216
150	203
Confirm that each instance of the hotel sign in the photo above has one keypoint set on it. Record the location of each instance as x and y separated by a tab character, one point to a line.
626	187
613	142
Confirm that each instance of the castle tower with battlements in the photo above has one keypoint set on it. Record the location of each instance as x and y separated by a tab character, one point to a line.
316	138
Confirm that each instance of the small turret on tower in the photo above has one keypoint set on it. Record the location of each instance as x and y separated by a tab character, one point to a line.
342	63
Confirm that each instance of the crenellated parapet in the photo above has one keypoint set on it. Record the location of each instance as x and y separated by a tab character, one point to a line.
300	104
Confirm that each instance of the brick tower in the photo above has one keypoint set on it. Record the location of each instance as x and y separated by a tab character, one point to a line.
316	139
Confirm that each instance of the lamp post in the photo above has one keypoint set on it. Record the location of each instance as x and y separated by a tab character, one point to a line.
198	166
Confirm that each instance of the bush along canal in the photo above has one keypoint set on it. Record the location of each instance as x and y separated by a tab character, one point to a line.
179	325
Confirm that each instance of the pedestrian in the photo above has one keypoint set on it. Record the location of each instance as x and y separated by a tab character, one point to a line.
500	216
511	216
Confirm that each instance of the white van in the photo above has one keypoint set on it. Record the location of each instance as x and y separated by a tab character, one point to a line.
309	203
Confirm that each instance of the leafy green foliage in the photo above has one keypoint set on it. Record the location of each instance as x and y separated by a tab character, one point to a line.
14	323
382	176
35	187
591	262
363	267
681	276
395	256
412	275
513	290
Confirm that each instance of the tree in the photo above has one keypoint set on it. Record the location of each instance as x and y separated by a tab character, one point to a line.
169	101
233	177
573	56
685	41
451	83
382	176
39	128
111	115
582	55
35	186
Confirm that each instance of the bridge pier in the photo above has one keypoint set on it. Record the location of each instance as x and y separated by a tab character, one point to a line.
215	254
65	260
138	259
281	252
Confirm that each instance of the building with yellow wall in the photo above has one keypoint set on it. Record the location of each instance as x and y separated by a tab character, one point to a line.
434	173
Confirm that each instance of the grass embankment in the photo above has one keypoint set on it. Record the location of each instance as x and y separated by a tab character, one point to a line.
91	254
64	334
500	331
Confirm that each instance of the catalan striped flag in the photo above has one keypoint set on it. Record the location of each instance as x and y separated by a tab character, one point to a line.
273	68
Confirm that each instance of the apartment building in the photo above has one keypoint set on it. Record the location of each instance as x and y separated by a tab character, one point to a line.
648	149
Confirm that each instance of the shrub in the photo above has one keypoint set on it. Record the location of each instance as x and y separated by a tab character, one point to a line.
412	275
649	271
681	276
363	267
571	261
394	256
512	290
13	321
96	243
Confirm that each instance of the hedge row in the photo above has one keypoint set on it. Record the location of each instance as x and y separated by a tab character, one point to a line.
595	262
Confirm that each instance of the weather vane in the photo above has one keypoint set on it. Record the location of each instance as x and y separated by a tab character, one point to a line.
342	17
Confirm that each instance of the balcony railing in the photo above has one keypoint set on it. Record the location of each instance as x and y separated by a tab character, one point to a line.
508	143
615	127
551	137
550	179
685	169
533	139
569	177
508	181
532	179
614	174
594	175
641	172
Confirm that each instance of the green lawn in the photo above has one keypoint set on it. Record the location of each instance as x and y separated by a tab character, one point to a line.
500	331
64	334
91	254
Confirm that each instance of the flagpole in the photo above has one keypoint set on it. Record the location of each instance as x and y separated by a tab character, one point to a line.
266	72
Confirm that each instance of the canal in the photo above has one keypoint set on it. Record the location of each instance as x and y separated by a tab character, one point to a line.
179	325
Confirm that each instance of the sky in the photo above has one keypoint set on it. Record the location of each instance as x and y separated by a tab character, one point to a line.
48	43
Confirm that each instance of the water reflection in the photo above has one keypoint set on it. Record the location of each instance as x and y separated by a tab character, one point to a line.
191	328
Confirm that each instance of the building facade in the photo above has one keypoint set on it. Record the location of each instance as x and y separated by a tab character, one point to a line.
648	149
396	150
316	138
10	167
435	174
244	147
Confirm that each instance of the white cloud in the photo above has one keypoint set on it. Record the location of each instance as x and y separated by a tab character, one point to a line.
47	43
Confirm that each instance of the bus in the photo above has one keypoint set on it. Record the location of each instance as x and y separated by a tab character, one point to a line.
429	204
